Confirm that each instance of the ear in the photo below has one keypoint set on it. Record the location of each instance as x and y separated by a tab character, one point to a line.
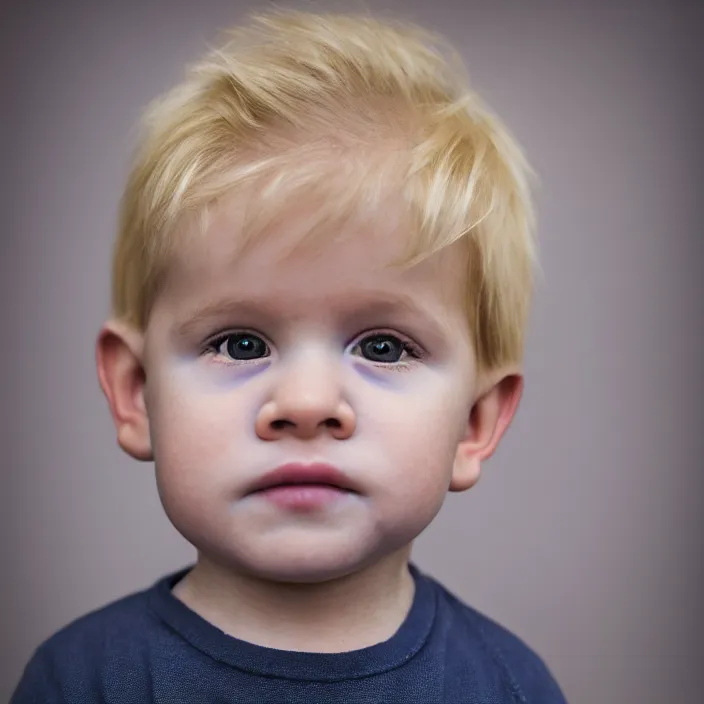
119	361
489	418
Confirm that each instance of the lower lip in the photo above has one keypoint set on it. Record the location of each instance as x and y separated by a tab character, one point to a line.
303	497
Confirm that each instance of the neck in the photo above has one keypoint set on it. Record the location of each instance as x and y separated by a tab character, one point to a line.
348	613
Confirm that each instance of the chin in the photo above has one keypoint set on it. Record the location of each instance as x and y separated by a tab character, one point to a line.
311	568
300	563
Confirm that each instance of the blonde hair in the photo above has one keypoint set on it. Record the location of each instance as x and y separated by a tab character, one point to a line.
304	101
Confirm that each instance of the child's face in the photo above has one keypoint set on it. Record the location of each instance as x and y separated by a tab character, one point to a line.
333	357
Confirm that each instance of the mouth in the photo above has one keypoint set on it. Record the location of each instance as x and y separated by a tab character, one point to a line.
304	475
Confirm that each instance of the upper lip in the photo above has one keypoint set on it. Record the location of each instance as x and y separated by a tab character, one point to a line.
297	473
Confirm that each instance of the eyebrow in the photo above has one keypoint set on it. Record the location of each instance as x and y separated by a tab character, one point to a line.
267	311
211	312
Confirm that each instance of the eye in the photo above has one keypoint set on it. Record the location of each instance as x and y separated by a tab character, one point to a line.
241	346
384	348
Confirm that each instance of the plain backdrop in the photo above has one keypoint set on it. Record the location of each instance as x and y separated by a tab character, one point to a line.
585	534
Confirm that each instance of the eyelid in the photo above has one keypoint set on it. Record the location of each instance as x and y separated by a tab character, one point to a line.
224	334
212	344
417	349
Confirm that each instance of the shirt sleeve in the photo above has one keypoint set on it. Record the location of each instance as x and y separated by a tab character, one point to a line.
38	683
538	685
532	680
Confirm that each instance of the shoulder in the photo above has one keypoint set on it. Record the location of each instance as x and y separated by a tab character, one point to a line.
75	660
116	624
524	671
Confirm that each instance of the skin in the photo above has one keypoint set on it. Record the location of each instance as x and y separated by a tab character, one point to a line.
406	431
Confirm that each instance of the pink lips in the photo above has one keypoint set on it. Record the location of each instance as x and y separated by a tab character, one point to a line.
303	487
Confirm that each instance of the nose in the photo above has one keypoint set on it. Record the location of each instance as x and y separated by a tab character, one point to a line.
307	400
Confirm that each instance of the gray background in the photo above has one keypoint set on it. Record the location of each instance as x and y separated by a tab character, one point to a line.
585	534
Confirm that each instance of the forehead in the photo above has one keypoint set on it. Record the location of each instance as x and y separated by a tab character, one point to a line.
303	257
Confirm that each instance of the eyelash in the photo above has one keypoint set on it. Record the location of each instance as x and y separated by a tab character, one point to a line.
213	344
413	350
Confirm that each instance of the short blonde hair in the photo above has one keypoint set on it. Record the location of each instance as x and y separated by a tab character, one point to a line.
294	99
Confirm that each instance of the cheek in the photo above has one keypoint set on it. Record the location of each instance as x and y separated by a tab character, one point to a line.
192	432
418	456
420	437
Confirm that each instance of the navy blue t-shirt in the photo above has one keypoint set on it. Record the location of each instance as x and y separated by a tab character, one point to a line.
150	647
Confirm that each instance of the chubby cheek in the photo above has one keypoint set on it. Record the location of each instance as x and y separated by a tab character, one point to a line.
191	432
420	441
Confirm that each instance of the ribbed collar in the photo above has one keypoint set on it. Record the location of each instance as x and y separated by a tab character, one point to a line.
319	667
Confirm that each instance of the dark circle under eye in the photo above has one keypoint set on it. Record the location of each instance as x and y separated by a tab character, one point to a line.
245	346
382	348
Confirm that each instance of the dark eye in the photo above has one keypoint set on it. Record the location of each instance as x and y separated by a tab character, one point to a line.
241	346
386	349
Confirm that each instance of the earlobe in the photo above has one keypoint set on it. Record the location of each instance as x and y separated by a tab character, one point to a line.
489	419
119	362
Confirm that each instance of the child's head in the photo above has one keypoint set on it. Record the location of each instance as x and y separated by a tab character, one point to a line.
324	256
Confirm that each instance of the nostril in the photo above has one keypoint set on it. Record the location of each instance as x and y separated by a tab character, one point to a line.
282	424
